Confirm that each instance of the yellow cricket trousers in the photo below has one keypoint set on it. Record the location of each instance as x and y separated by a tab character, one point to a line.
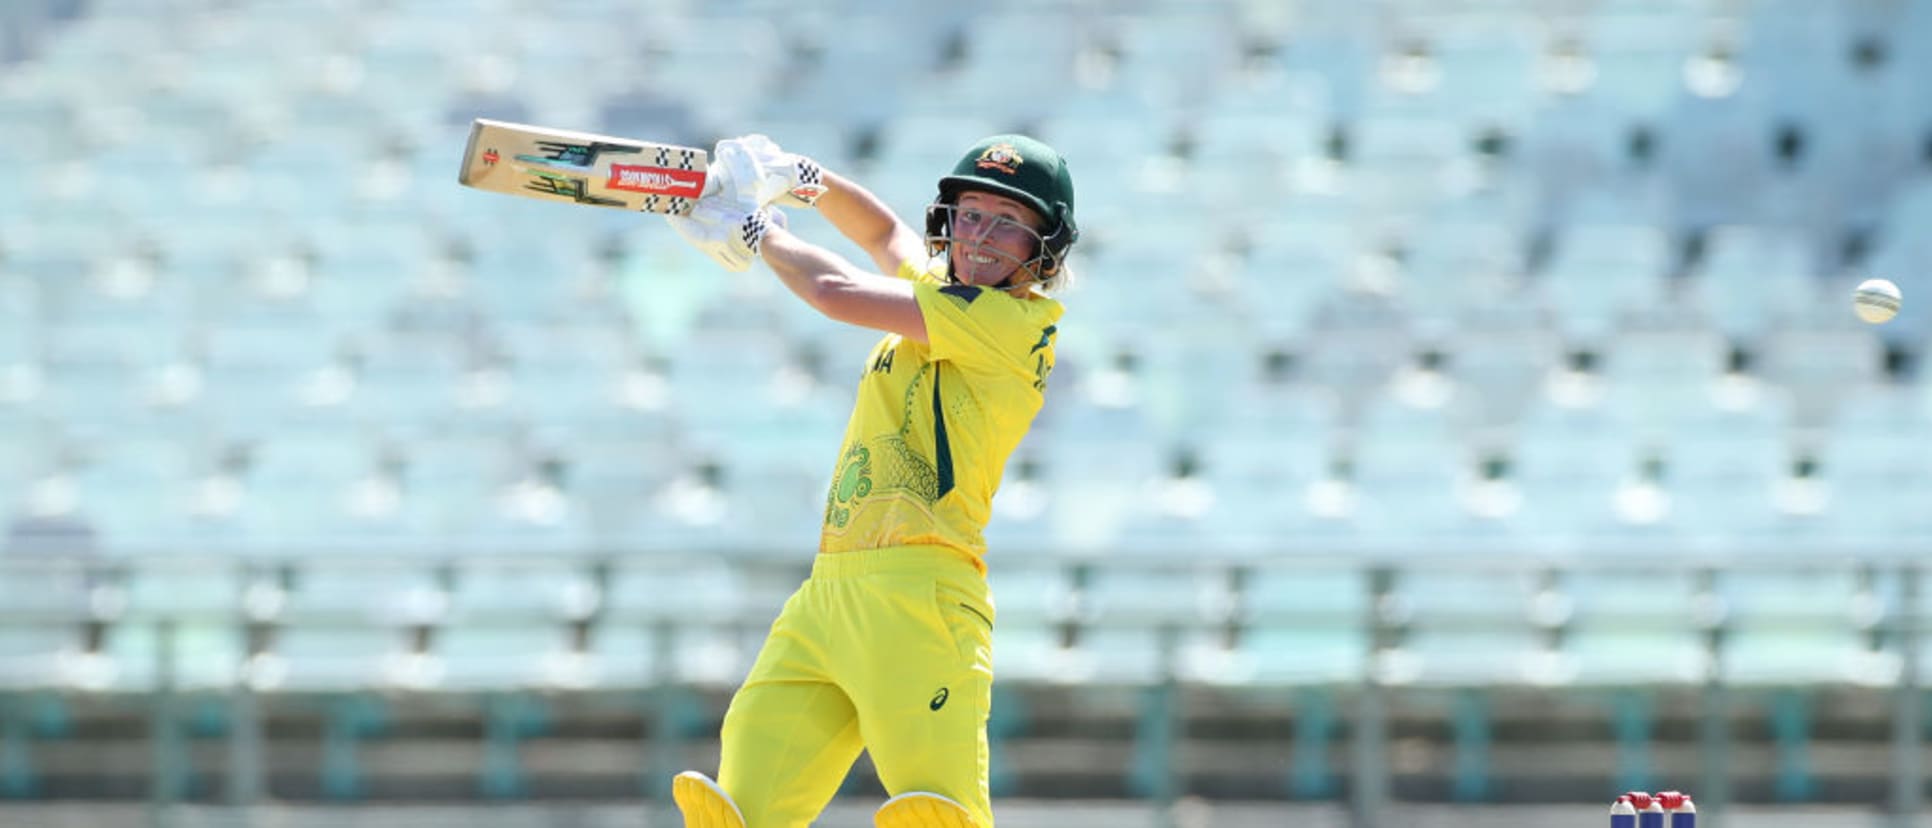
889	650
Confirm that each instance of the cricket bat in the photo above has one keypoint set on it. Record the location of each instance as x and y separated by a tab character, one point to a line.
582	168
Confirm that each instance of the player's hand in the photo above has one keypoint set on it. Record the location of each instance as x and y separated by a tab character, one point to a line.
760	173
727	232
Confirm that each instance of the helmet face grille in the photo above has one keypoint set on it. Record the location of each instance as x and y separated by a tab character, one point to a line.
1049	250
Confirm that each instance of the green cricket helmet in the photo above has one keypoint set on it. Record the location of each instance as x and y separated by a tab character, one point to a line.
1020	168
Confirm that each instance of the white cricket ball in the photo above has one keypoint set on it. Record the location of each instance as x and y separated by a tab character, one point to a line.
1876	300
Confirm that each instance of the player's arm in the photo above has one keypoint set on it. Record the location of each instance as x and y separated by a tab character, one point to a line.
869	223
754	169
840	290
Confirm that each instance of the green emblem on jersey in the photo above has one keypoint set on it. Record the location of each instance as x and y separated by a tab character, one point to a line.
853	482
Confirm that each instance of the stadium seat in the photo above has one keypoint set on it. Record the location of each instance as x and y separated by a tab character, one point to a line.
364	593
866	47
1412	469
1337	50
1817	364
1502	370
1355	359
622	655
43	591
1153	598
35	124
1636	627
494	655
1726	468
207	591
1405	159
608	476
32	656
97	399
138	493
1575	145
1463	598
297	490
530	514
1804	656
1025	592
1044	52
1874	463
1299	625
1270	656
1464	658
1715	153
1031	651
1751	279
1097	478
1168	56
738	53
1120	656
1637	57
1599	272
205	655
1246	155
1570	464
1659	377
18	320
702	591
1262	464
1487	79
1613	657
1459	266
1287	595
1465	628
1105	139
334	658
22	458
542	591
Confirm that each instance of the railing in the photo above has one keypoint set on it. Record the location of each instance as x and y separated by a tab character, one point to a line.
1197	641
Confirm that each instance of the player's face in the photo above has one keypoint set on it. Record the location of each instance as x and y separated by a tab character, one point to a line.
992	236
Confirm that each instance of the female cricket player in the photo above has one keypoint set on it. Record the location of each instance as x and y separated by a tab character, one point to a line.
887	647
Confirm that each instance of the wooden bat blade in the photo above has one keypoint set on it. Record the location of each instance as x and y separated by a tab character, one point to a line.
583	168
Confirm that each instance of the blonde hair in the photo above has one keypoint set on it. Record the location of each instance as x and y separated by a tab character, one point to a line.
1061	280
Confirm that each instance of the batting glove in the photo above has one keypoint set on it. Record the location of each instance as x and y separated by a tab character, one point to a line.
755	170
725	231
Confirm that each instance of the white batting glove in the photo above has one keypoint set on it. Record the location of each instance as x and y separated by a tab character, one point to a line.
755	170
726	231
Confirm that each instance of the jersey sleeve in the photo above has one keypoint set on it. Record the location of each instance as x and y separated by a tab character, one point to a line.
983	329
911	272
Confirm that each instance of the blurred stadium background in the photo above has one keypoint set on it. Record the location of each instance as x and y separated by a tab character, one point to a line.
1461	421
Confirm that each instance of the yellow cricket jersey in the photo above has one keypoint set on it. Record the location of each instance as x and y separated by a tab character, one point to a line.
935	422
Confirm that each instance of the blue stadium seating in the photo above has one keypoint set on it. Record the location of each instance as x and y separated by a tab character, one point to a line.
495	655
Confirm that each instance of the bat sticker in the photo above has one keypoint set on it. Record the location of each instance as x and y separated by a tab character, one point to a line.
656	180
581	156
572	188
